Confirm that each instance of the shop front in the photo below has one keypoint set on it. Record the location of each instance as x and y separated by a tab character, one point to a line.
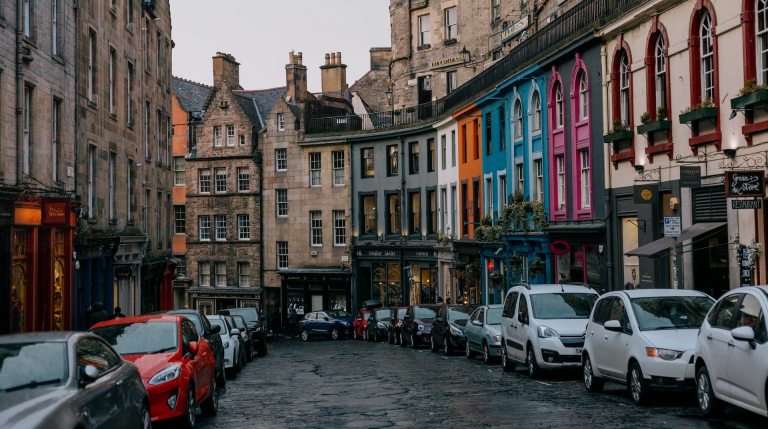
468	272
518	258
209	300
313	289
578	253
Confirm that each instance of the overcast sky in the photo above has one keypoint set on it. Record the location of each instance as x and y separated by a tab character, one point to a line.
260	33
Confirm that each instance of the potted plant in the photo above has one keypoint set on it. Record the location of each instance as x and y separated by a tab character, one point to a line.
661	113
699	112
619	132
751	94
650	126
645	118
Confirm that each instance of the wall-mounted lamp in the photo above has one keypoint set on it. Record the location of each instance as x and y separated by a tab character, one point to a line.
639	168
730	153
466	56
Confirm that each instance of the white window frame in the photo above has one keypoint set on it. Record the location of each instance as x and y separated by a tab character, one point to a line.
244	227
707	58
91	65
220	227
220	273
280	122
230	135
243	274
495	10
281	159
204	273
204	228
660	73
536	104
624	82
315	169
583	96
451	81
489	195
520	176
502	178
338	168
179	219
538	166
316	228
339	228
451	20
282	254
424	30
241	139
217	142
179	164
584	178
518	119
220	179
243	179
204	181
281	202
761	40
112	80
560	177
559	119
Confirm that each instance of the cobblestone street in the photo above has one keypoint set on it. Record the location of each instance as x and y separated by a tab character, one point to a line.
355	384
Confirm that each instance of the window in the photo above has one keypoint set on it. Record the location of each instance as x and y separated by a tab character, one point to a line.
338	168
314	169
424	38
414	212
502	129
280	122
315	228
55	27
281	202
451	81
244	227
369	214
762	41
204	272
476	124
488	133
160	145
584	178
464	144
158	220
560	163
443	151
413	160
111	173
431	212
339	228
243	274
660	72
221	227
451	23
146	213
539	169
91	177
281	159
220	272
520	175
204	227
217	136
393	214
243	179
518	120
502	191
443	210
221	179
624	95
368	165
559	121
91	77
129	11
495	10
204	180
583	98
536	103
28	146
178	170
56	140
431	155
230	135
488	195
241	139
453	148
147	149
282	254
392	160
129	94
112	80
179	219
707	54
131	176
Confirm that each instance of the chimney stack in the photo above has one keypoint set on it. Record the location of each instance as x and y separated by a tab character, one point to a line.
334	75
296	77
226	71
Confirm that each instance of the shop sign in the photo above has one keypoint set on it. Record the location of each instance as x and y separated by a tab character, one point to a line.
690	176
745	268
746	204
516	28
645	193
376	253
560	247
420	254
27	215
123	271
745	183
447	62
55	213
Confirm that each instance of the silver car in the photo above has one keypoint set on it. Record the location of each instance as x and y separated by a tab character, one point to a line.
66	380
483	332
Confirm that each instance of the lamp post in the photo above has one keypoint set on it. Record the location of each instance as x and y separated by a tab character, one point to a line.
390	100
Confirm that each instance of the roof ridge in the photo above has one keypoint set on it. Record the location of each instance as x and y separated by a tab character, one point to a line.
192	81
260	90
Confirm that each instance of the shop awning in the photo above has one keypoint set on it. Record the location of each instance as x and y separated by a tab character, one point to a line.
662	244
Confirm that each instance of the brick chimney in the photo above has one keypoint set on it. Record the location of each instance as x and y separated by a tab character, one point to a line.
296	77
380	58
226	71
333	74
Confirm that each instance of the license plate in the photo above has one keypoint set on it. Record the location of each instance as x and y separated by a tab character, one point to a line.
578	351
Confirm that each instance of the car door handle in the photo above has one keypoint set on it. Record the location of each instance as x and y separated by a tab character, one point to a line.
709	337
605	338
592	333
731	344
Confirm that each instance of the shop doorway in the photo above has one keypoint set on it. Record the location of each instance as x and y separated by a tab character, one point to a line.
710	261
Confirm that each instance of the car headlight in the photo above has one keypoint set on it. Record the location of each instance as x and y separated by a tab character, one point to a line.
421	328
168	374
547	332
456	331
496	338
665	354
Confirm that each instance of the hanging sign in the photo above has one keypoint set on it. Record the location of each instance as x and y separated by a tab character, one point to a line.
690	176
746	204
560	247
745	183
516	28
645	193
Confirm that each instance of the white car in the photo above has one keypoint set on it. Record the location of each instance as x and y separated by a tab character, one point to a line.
229	337
732	353
645	339
542	326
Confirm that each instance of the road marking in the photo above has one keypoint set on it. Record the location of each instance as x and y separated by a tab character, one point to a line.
541	382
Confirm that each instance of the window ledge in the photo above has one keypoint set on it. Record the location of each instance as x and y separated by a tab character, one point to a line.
713	137
451	41
423	47
657	149
113	116
629	155
58	58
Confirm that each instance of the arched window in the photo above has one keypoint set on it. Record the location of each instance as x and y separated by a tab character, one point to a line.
761	37
660	73
624	95
707	58
518	119
559	105
583	99
536	105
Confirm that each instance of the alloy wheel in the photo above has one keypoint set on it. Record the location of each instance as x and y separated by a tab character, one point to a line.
533	367
486	353
591	383
190	415
304	335
709	405
335	333
505	364
637	385
467	350
146	419
446	346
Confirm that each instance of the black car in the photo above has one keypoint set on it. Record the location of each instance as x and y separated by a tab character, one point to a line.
211	334
256	327
448	328
378	324
417	325
243	327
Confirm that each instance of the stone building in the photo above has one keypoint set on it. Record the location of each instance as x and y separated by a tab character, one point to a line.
37	159
123	172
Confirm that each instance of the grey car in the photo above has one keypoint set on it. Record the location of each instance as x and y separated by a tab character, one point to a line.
484	332
68	380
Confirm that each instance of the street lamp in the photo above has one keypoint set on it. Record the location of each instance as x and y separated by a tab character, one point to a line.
465	55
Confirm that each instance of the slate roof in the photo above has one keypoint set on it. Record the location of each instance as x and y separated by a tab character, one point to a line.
258	103
192	95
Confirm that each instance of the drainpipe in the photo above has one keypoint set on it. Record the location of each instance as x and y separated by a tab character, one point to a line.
609	187
19	90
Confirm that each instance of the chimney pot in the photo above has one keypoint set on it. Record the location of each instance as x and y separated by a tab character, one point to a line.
327	59
300	59
338	57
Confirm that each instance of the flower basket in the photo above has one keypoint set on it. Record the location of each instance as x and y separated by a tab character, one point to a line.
619	135
697	115
756	98
652	127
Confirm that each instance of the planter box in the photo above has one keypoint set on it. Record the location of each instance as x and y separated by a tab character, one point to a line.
759	97
618	136
654	126
698	115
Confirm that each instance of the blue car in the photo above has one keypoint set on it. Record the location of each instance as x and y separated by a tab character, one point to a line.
328	323
483	332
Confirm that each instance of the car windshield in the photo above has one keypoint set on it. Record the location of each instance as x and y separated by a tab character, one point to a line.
220	323
494	316
239	323
383	314
337	314
671	312
424	313
562	305
141	337
29	365
249	313
459	315
401	312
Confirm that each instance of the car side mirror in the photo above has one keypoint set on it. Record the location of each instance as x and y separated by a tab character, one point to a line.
215	329
613	326
193	347
744	333
234	331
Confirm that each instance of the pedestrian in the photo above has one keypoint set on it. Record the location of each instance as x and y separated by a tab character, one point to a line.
98	314
292	321
118	313
448	300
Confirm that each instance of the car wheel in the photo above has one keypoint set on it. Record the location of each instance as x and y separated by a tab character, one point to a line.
211	405
402	339
376	336
146	419
591	382
638	387
413	340
334	333
530	360
189	416
708	404
221	378
304	335
486	353
249	354
468	351
432	345
446	346
506	365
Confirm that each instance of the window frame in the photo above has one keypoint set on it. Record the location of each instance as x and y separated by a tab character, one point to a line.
338	167
204	181
315	228
281	159
413	157
243	179
315	169
244	227
281	253
281	202
451	22
424	30
204	228
393	160
179	219
368	163
339	228
220	227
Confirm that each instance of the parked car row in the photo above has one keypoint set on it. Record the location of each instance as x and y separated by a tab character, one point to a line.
648	339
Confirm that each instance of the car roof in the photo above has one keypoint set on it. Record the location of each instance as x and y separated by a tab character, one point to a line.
32	337
141	319
214	316
651	293
554	288
494	306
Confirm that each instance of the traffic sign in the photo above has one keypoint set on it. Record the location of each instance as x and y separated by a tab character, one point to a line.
672	226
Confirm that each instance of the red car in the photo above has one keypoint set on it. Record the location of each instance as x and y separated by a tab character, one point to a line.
177	367
360	325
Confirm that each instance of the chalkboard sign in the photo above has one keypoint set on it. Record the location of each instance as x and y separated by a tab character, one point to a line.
745	184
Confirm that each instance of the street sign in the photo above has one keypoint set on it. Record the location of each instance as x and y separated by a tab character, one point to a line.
672	226
746	204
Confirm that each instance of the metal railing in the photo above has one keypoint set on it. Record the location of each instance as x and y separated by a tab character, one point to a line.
577	22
